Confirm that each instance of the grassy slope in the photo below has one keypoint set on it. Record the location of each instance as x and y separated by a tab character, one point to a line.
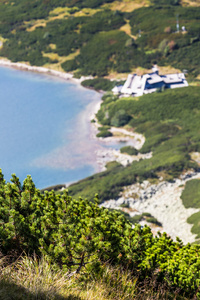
170	124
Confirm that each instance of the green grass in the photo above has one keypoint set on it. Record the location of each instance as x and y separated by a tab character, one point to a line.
195	220
191	198
129	150
191	194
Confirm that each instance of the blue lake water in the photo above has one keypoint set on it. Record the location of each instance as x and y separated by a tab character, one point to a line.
45	129
38	120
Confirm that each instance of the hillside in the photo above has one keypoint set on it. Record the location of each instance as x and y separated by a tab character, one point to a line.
101	37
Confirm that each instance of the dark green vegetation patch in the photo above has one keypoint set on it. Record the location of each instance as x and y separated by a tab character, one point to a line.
195	220
191	194
103	46
104	133
191	198
158	25
129	150
99	84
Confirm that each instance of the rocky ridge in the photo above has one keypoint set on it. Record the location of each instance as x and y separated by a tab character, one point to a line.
162	201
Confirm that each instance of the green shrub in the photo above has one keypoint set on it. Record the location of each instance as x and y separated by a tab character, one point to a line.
112	164
129	150
136	219
125	205
69	65
105	52
75	233
103	21
103	128
104	133
191	194
153	221
146	214
194	219
99	84
183	269
120	118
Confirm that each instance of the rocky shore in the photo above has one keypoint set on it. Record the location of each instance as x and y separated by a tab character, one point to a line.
134	139
107	155
120	135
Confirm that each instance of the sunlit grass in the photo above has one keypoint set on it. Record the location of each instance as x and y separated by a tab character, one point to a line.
86	12
62	10
60	13
127	29
168	70
32	25
61	59
34	278
113	75
57	13
194	3
2	40
37	279
127	5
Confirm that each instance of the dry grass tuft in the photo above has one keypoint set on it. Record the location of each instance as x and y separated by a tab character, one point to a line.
141	71
86	12
127	29
61	59
127	5
32	25
194	3
168	70
33	278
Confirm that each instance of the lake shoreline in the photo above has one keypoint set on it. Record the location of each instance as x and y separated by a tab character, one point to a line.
154	203
43	70
101	155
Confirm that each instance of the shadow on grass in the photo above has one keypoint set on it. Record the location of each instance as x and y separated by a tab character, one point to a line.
12	291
